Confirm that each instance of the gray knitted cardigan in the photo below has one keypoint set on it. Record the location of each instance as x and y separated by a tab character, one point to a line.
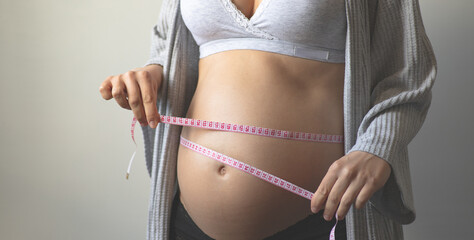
390	71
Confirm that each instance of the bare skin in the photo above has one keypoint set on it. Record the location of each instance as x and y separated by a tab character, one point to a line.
268	90
274	91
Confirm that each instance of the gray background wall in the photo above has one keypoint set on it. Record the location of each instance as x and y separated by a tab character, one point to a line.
64	150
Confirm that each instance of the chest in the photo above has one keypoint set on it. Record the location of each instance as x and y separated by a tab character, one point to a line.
311	22
247	7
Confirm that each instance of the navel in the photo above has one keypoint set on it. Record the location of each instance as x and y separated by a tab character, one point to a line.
222	170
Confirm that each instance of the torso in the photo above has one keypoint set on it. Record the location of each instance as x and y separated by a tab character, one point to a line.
268	90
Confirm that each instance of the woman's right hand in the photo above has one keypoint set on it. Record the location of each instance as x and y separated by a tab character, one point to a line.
136	90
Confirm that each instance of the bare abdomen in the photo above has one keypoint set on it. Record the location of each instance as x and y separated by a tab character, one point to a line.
227	203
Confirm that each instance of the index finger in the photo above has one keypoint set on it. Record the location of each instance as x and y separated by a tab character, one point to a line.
149	96
322	193
105	88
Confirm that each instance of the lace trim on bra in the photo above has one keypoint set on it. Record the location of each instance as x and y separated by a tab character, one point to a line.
244	22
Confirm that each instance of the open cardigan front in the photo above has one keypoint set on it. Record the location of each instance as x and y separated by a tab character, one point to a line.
390	71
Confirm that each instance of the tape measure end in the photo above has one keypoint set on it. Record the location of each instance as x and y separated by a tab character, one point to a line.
126	176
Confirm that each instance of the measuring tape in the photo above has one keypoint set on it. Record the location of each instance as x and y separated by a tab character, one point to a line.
267	132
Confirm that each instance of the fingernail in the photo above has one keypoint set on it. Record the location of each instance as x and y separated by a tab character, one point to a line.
317	209
327	217
314	210
143	124
152	124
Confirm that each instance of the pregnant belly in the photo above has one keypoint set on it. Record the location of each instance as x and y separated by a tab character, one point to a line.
227	203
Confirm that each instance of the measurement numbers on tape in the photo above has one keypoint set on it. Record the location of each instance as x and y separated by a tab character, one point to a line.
267	132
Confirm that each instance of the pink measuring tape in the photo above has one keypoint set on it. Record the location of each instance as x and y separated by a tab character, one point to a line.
268	132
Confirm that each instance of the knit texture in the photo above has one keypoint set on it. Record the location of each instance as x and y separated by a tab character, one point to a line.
390	71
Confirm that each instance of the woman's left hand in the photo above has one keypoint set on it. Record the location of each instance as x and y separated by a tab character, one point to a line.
352	178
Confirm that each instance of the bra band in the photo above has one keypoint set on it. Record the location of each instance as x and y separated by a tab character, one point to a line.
275	46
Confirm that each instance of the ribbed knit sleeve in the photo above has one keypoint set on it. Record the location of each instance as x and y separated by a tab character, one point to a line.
159	51
403	71
159	33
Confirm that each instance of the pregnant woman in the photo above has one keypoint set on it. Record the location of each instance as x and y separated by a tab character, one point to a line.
284	71
297	66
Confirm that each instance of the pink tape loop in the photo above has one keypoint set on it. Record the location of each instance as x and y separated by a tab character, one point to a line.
267	132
